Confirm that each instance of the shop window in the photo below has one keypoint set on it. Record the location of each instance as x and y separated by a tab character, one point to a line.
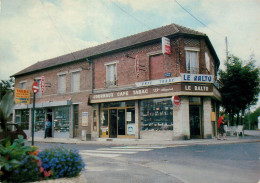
111	74
62	119
130	119
157	114
62	83
104	123
39	120
75	81
22	118
195	100
192	60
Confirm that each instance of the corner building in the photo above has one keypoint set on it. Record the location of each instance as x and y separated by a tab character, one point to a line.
125	88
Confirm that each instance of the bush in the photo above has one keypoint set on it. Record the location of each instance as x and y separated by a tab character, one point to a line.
18	163
59	162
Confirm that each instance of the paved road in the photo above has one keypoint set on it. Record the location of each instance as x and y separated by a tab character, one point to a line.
239	163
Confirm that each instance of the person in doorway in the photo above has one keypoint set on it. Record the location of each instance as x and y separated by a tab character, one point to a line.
47	128
221	131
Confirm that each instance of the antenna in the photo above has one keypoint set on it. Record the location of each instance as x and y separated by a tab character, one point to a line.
226	47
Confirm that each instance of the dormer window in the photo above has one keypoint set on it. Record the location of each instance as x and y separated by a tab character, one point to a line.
192	60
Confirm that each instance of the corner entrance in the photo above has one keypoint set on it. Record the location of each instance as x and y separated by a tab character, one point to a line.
195	117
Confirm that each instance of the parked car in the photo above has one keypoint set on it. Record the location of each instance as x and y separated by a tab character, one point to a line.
13	130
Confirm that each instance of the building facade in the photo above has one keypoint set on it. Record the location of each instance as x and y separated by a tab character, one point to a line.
156	84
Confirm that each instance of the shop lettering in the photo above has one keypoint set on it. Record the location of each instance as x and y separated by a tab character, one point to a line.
104	95
187	87
122	94
201	88
140	92
197	78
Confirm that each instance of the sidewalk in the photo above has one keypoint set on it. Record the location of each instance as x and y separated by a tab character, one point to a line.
115	141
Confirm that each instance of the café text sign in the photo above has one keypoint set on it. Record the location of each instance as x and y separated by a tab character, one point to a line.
196	88
158	81
201	78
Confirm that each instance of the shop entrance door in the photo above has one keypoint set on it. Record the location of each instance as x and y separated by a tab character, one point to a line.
50	118
113	123
195	121
121	122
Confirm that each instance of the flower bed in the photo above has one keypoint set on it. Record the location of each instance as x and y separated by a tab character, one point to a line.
20	163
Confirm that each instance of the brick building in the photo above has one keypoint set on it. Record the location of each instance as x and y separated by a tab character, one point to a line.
125	88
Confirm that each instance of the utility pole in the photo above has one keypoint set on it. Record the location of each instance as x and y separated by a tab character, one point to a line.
226	41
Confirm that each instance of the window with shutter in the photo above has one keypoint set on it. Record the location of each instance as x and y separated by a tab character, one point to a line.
111	76
62	83
192	60
75	81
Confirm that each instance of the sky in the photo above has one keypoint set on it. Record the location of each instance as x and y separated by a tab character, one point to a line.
35	30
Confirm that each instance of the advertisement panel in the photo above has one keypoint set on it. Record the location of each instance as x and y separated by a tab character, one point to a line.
22	96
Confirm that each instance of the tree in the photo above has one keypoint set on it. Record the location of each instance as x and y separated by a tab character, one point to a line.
5	86
6	108
239	86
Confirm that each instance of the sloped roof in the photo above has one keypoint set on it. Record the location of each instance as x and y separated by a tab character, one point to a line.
125	42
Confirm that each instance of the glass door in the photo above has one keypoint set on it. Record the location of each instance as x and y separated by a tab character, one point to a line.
121	122
113	123
195	121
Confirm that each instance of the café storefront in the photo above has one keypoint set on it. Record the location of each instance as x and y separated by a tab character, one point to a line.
148	112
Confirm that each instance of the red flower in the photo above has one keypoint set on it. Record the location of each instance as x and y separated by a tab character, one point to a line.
39	163
41	169
47	173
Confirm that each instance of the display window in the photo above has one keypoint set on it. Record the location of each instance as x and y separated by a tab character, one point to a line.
156	114
22	118
62	119
39	120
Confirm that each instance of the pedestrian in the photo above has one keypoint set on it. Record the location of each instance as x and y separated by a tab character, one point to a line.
221	130
47	128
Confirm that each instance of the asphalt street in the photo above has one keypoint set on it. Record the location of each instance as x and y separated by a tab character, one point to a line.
239	163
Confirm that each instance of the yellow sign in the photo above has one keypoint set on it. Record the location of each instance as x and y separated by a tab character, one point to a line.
22	96
84	118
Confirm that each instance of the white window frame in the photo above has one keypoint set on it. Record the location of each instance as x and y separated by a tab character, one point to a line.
111	82
23	84
195	68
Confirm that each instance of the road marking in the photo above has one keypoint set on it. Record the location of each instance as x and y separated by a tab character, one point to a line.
118	151
107	152
101	155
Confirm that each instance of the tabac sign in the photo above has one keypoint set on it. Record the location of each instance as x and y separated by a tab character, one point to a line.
22	96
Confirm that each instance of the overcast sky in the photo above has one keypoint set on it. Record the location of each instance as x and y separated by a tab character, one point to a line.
35	30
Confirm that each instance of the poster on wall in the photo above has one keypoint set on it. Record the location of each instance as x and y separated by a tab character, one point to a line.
84	118
22	96
130	129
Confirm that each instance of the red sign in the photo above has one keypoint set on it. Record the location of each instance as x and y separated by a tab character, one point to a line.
42	84
166	46
176	100
35	87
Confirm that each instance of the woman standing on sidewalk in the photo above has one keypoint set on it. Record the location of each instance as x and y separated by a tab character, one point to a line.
221	122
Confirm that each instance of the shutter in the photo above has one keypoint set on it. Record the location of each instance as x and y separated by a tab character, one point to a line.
75	82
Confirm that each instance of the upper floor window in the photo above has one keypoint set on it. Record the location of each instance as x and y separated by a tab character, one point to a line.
75	81
192	60
207	61
39	94
62	83
111	74
23	85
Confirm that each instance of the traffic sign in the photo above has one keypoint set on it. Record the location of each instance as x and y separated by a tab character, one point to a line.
176	100
35	87
42	84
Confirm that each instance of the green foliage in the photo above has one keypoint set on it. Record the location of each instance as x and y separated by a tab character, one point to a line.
6	86
253	117
6	108
18	163
60	162
239	85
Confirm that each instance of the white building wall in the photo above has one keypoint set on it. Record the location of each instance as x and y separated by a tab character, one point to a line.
181	125
207	124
